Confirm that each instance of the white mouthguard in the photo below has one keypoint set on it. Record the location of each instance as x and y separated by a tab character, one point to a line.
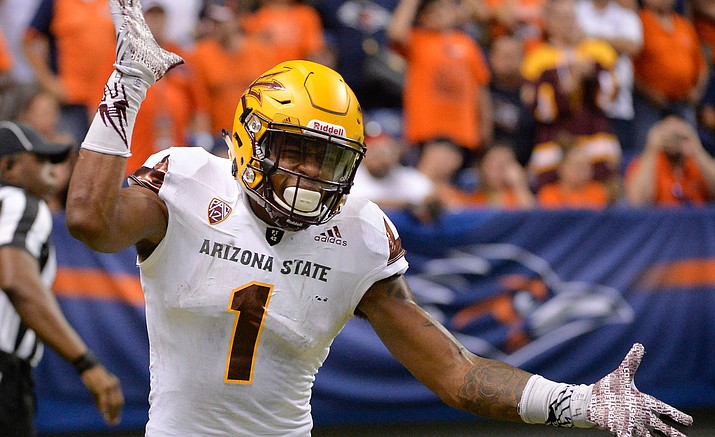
307	202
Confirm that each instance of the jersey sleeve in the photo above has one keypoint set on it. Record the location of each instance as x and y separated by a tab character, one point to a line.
394	242
151	174
381	236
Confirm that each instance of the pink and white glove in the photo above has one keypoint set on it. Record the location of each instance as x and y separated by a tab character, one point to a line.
140	62
613	403
138	53
617	405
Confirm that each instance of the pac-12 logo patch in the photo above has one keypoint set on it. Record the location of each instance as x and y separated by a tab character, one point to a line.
218	211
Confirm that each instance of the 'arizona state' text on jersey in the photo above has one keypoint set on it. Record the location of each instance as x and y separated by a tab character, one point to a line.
241	315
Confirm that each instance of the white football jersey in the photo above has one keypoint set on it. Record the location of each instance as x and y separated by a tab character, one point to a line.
240	315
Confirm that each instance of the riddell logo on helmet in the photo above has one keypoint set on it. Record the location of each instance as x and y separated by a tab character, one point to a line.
328	128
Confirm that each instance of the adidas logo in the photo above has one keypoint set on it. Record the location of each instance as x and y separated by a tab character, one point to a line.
331	236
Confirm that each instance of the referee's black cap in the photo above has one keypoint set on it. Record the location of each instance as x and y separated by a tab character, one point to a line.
16	137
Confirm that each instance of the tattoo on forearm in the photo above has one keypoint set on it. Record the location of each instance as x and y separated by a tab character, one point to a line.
493	389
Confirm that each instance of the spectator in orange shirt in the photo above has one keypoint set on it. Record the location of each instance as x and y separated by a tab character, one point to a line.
503	183
446	85
673	170
291	29
670	70
222	74
575	187
69	44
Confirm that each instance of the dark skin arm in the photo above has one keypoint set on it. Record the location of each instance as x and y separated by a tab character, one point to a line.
39	311
107	217
461	379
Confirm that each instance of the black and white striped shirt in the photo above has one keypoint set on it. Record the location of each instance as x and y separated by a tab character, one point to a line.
26	223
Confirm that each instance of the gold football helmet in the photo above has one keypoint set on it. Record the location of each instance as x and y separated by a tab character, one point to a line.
297	142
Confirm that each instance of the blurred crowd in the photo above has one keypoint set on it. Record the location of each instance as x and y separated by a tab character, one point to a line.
510	104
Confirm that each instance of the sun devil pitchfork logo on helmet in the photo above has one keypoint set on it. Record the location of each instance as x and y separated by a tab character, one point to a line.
218	211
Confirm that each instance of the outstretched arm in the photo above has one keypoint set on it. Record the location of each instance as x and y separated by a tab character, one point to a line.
461	379
99	212
497	390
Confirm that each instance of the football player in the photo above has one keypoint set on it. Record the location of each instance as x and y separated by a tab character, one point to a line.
252	265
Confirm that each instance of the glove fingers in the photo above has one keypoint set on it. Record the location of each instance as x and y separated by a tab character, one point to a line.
138	53
630	363
667	430
643	431
623	433
663	409
116	7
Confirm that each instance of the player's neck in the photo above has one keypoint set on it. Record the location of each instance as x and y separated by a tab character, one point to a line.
261	213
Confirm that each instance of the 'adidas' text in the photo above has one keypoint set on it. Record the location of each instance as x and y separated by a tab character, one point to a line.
331	236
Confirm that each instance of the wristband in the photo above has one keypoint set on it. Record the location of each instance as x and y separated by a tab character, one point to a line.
111	130
85	362
553	403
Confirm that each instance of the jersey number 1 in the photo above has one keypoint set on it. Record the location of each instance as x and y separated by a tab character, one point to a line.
249	302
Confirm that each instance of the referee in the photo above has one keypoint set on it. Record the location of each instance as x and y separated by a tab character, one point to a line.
29	313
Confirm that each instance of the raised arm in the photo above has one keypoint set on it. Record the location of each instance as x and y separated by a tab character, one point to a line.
398	30
99	212
105	216
497	390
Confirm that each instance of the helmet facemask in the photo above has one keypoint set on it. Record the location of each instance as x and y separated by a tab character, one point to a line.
304	174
